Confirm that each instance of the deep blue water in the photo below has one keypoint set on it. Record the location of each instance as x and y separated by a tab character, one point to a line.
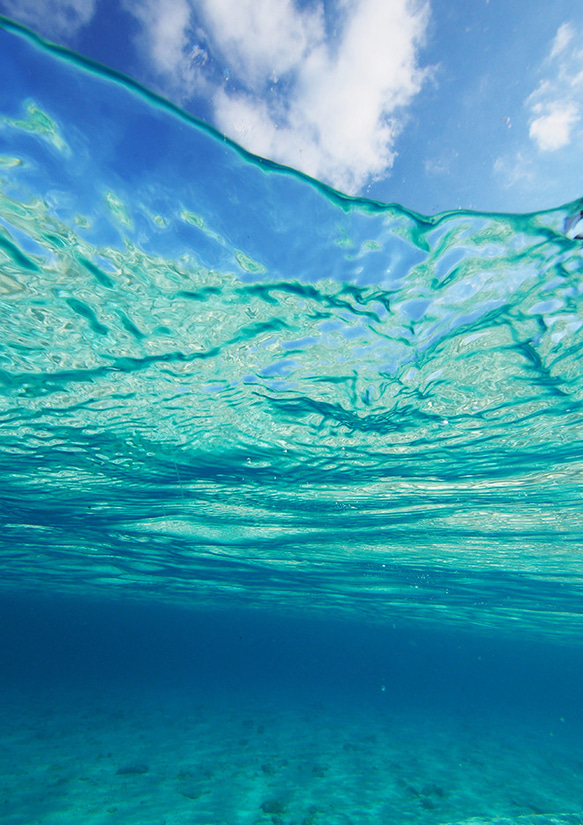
291	483
84	641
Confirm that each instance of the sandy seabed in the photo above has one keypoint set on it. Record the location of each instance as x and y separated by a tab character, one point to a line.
171	757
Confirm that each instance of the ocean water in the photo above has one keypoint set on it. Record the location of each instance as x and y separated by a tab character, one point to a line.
291	501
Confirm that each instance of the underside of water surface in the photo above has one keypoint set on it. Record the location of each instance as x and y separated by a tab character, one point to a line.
222	382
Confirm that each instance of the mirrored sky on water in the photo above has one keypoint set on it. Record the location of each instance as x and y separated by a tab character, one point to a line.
435	105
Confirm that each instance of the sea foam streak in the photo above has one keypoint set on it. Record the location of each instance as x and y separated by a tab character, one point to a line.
221	379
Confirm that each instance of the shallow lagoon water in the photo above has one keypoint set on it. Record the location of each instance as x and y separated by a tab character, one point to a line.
291	501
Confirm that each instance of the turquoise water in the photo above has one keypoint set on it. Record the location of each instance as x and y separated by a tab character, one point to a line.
233	394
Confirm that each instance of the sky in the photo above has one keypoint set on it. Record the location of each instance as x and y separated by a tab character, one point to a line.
433	104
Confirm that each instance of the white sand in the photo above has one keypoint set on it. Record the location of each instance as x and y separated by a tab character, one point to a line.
172	758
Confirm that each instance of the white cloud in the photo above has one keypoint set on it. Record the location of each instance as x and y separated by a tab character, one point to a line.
165	44
437	167
262	38
553	130
515	171
554	106
53	18
562	39
540	166
324	91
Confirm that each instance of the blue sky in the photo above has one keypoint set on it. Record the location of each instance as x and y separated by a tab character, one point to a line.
435	105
